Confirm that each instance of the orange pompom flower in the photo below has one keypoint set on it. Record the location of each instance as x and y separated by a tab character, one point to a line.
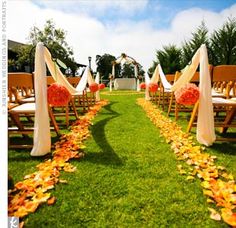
153	87
58	95
187	95
93	87
101	86
142	85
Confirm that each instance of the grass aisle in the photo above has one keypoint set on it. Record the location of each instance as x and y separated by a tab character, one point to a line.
128	178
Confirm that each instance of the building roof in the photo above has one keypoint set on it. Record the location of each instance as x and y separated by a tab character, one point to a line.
14	44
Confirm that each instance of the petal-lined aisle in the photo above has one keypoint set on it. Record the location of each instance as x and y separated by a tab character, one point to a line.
32	191
128	177
219	186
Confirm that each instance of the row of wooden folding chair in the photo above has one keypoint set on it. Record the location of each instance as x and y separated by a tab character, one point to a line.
74	81
165	93
83	100
223	99
20	87
223	80
21	107
174	106
62	110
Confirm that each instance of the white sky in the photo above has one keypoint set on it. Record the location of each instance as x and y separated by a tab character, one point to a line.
89	32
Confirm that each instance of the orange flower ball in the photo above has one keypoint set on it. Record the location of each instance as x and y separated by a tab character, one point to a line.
187	95
101	86
142	85
153	87
93	87
58	95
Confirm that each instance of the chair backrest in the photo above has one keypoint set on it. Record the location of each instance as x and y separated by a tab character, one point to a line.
20	84
50	80
177	75
170	78
224	73
195	78
74	81
224	78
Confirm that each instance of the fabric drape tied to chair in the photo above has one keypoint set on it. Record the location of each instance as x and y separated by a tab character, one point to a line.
42	136
205	121
205	118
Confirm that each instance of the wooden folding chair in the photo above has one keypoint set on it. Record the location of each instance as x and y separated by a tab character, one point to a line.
21	87
172	103
74	81
225	105
82	100
19	126
223	79
184	108
165	93
62	110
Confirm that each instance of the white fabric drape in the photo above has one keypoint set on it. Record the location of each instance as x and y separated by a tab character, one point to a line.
155	76
188	71
59	77
164	81
136	71
205	121
97	79
90	77
138	85
110	85
56	73
42	136
83	82
147	81
136	76
113	73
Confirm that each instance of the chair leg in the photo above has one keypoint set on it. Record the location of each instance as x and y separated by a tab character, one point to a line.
176	111
16	119
67	115
74	108
229	117
54	123
170	104
193	115
159	98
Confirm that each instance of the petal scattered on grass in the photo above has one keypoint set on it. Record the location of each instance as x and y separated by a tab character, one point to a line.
32	191
218	185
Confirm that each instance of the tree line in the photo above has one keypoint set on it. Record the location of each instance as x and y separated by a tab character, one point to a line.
221	46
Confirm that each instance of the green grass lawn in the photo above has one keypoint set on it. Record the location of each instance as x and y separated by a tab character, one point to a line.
128	177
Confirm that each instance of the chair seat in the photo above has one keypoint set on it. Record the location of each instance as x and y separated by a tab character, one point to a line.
223	101
216	93
28	100
24	108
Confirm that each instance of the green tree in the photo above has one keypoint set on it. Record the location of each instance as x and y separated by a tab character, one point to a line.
223	43
104	65
127	71
22	60
54	39
169	58
189	48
